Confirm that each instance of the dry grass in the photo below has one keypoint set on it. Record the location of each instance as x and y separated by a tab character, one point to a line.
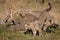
22	4
31	4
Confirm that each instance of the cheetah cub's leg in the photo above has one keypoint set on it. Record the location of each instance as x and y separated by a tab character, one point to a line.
34	33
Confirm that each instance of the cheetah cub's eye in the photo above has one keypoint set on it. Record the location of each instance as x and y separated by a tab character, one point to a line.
27	24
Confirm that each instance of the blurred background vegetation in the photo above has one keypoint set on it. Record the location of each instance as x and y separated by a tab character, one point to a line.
6	34
31	4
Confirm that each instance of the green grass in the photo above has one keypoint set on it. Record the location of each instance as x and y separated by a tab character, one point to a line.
6	34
